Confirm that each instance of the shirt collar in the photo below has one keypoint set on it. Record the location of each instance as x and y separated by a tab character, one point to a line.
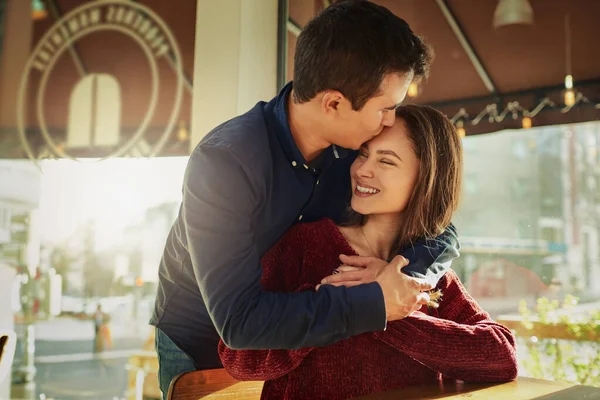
284	133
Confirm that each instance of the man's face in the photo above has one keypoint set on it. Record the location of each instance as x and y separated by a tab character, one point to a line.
350	128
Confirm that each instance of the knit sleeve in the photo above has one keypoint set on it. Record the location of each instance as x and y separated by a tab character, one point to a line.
463	343
282	267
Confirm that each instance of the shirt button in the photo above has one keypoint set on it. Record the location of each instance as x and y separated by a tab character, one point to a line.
300	218
305	166
294	163
318	181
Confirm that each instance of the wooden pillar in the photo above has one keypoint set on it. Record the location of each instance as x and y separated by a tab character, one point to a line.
16	47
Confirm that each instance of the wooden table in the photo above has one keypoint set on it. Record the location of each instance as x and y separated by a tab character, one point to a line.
520	389
217	384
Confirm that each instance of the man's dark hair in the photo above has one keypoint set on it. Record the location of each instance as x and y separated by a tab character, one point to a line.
350	47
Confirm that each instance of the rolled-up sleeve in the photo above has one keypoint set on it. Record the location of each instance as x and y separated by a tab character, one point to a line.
221	201
432	258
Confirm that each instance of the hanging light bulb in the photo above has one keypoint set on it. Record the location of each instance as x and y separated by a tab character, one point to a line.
182	132
569	93
413	90
460	129
38	10
526	123
569	82
511	12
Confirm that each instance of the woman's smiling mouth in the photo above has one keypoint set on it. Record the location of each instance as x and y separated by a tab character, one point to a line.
365	191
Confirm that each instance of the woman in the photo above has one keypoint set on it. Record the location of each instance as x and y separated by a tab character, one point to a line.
406	185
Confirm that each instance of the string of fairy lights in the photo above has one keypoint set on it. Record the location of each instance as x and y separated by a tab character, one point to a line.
461	120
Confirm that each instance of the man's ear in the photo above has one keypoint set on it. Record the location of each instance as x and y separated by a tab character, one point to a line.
332	101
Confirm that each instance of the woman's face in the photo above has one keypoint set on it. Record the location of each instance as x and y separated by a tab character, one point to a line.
384	173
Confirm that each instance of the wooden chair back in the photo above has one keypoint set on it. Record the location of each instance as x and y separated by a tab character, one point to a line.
212	384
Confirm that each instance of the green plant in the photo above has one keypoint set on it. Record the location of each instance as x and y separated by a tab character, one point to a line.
576	360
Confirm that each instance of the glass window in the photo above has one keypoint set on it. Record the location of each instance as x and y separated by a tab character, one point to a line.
470	183
519	148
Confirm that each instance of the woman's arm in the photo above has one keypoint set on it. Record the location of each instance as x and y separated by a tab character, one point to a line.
281	273
260	365
463	343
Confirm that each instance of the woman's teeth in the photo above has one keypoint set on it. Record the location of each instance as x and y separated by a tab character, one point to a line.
366	189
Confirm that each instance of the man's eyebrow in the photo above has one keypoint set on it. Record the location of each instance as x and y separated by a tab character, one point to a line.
389	153
392	108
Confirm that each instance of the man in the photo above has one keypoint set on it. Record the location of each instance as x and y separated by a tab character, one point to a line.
284	162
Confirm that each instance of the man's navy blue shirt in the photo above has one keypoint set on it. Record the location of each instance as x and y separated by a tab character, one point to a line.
245	184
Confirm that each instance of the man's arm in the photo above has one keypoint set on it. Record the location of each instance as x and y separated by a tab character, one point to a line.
221	198
431	258
282	272
427	262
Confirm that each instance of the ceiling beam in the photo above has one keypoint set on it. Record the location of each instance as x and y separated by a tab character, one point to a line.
293	27
466	45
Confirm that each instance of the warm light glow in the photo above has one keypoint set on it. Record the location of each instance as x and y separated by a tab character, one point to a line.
38	11
526	122
182	132
39	15
462	132
569	97
74	194
413	90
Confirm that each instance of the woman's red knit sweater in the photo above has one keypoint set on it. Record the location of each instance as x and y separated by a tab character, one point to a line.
458	340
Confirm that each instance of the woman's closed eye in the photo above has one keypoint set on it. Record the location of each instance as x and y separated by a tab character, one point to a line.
387	162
